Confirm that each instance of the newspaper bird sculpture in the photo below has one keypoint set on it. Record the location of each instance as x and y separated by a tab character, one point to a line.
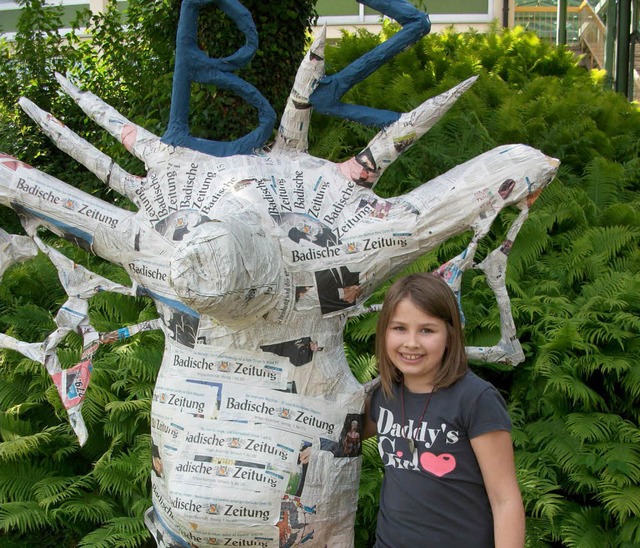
254	258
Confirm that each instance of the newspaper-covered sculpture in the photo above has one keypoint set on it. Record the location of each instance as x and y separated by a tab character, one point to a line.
254	260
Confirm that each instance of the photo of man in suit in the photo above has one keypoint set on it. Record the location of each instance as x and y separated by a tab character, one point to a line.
338	288
299	351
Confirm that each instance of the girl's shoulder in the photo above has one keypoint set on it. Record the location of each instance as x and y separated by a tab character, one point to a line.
470	384
378	395
481	406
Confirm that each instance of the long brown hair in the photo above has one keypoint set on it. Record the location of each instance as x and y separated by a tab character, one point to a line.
433	296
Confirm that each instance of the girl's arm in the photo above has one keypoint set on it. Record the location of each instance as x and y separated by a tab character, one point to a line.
369	425
494	452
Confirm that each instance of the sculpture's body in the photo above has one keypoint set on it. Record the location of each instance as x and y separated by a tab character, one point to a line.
253	261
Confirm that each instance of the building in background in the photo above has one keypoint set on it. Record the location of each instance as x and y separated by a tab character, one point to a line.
336	14
461	14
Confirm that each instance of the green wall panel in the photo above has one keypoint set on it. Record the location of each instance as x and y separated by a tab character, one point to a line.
337	7
9	18
351	7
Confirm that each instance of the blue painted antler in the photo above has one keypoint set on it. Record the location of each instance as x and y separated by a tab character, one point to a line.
193	65
326	97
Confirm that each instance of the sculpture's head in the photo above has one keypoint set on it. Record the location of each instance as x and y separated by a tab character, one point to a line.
229	269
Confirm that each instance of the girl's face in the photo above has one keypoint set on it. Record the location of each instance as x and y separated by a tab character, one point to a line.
415	343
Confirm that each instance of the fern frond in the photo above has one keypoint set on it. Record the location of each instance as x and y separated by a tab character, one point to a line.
29	322
369	490
533	240
588	251
128	418
362	328
22	516
610	365
120	474
13	393
566	337
17	479
622	464
575	389
67	445
52	490
592	427
621	502
583	528
541	497
541	306
330	144
609	241
363	367
119	409
631	382
564	451
630	532
125	532
109	311
11	425
96	400
602	333
35	444
558	205
88	507
603	181
611	286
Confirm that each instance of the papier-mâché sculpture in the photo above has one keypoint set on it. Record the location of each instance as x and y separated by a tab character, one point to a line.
254	258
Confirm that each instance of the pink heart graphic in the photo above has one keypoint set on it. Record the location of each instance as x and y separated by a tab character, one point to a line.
399	453
438	465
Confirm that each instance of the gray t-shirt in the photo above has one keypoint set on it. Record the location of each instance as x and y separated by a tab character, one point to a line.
436	496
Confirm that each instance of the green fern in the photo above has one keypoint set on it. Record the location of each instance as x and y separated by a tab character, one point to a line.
17	479
88	507
584	528
52	491
124	532
23	516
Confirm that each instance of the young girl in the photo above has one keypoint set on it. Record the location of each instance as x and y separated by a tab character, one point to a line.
443	433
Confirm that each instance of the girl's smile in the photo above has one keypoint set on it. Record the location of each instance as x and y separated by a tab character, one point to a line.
416	343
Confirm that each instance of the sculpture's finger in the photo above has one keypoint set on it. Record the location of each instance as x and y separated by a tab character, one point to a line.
77	281
507	353
81	150
495	268
294	126
33	351
472	194
15	249
42	200
137	140
394	139
451	271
